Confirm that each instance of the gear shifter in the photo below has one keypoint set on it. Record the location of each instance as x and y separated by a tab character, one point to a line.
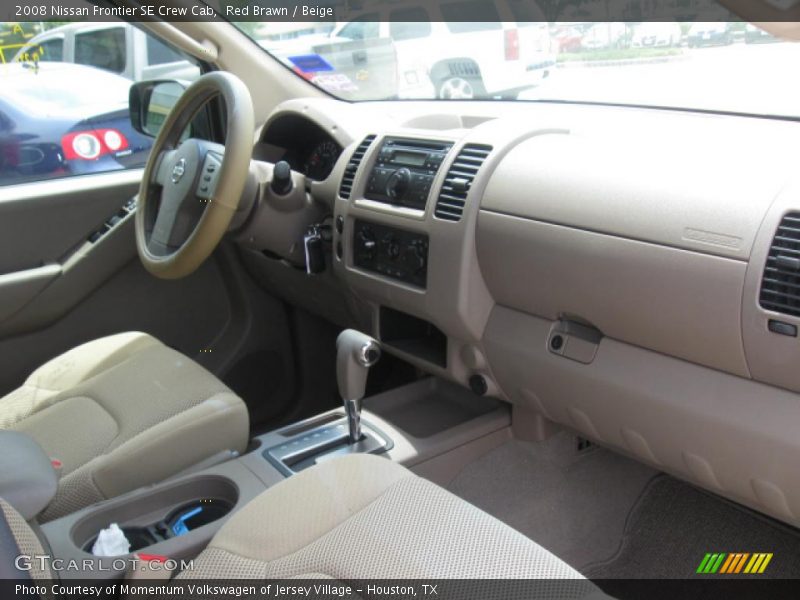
355	354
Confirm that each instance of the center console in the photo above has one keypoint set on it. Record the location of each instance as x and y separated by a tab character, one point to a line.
404	243
430	426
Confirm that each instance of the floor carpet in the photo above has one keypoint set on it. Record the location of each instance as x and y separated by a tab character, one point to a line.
674	525
574	503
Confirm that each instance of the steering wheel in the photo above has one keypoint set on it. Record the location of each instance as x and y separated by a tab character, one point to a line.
191	188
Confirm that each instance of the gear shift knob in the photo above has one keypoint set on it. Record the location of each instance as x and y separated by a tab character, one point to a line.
355	354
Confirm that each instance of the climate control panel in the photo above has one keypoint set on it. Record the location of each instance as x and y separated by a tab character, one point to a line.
392	252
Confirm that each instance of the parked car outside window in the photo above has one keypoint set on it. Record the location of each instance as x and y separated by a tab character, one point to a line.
51	127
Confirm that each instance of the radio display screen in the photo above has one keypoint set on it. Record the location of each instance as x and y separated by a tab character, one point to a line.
412	159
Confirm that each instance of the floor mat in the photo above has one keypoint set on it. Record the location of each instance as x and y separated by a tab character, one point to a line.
674	525
573	503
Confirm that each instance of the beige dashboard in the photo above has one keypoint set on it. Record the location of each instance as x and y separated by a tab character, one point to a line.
605	272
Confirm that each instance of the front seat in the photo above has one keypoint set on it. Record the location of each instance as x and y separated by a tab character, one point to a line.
354	518
121	412
366	517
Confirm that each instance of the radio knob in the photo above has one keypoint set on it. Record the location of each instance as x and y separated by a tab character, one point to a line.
398	183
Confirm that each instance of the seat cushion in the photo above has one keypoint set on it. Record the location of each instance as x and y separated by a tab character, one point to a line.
17	538
68	370
121	412
364	516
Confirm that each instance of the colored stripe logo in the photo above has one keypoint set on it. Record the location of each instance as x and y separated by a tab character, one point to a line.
734	563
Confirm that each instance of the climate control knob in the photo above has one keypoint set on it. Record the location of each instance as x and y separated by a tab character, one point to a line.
391	246
366	243
415	257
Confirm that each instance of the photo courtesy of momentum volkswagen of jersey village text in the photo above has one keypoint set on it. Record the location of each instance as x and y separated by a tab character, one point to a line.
399	299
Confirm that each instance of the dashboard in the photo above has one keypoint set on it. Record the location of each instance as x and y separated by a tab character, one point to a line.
553	256
302	143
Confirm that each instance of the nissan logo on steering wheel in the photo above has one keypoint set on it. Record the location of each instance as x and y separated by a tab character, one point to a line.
178	170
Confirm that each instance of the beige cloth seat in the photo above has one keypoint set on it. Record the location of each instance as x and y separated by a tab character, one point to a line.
364	516
122	412
360	517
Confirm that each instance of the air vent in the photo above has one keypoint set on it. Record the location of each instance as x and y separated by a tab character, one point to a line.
453	195
352	166
780	287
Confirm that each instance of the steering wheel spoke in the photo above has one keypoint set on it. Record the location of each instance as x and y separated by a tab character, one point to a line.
165	163
161	236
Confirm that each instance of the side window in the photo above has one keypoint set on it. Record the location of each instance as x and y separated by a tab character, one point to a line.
158	53
366	27
51	50
409	24
50	127
103	49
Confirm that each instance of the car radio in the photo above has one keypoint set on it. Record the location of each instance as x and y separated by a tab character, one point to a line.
404	171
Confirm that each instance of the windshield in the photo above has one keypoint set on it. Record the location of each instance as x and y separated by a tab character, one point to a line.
505	50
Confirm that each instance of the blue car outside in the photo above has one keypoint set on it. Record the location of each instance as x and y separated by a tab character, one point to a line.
59	119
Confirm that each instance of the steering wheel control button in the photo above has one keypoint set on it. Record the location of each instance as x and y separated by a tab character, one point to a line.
208	182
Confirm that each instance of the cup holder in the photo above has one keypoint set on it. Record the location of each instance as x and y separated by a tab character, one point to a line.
196	514
180	521
162	514
139	537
